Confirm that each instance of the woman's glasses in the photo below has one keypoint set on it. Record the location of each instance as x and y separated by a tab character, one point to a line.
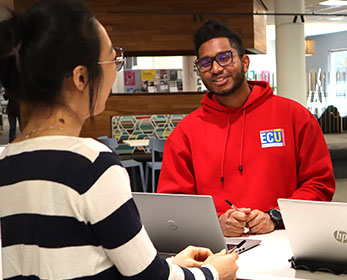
119	60
204	64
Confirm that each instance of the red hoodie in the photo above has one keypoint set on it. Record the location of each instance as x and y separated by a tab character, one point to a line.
270	148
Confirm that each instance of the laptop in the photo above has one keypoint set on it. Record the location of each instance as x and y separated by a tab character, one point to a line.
317	231
175	221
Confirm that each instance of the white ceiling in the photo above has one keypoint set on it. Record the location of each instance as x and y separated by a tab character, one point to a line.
314	25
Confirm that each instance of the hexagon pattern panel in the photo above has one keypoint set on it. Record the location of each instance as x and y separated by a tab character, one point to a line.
142	127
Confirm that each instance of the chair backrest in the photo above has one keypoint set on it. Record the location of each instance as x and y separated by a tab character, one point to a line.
109	142
157	145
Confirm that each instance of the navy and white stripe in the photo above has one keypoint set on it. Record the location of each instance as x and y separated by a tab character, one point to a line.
67	213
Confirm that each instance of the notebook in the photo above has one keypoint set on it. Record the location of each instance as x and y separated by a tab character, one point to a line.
175	221
317	232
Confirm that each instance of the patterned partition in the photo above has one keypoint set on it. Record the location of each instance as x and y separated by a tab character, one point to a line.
142	127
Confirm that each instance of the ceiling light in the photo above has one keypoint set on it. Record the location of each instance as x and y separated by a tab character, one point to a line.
334	3
337	18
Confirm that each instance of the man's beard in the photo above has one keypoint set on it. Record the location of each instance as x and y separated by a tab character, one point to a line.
238	81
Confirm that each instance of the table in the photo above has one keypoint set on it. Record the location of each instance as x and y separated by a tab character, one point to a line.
269	261
136	143
2	147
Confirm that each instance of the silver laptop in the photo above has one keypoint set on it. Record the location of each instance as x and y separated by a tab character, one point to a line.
316	230
175	221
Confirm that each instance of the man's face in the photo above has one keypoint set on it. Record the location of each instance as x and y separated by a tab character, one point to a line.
223	80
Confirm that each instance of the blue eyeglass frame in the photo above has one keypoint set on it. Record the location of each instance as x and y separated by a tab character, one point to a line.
196	62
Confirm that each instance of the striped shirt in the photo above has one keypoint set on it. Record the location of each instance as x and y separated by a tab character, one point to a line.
67	213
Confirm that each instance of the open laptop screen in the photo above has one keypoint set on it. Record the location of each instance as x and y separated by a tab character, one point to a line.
175	221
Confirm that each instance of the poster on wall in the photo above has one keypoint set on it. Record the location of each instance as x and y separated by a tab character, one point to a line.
148	75
173	75
151	87
173	86
163	75
163	82
129	89
265	76
251	75
129	78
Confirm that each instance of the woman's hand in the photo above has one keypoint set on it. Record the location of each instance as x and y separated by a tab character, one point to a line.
225	264
192	256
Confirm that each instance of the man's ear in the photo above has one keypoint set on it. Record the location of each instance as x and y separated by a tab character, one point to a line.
245	62
80	77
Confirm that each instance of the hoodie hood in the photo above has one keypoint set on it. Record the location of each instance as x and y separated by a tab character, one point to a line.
260	91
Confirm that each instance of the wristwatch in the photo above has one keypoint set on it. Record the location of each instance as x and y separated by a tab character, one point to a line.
276	217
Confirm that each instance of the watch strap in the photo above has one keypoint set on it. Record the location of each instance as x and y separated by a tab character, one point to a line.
276	217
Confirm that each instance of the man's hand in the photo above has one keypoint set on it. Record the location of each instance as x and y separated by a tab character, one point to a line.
192	256
234	221
259	222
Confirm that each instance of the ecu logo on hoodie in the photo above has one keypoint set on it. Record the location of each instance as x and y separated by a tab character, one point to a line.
272	138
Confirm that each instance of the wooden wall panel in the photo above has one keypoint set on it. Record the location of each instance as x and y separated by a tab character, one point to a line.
156	27
140	104
259	29
171	5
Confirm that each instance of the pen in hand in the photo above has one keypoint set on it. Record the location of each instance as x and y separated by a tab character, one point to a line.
238	246
232	205
245	229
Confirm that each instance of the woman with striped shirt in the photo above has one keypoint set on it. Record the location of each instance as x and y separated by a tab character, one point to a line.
65	202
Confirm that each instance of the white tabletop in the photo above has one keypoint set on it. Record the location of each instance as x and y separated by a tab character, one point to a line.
2	147
269	261
135	143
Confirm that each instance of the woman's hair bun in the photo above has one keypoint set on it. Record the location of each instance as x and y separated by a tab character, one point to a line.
40	47
10	34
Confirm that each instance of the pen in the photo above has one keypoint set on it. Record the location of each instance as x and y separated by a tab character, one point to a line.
232	205
237	246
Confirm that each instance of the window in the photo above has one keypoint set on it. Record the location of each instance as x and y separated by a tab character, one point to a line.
338	78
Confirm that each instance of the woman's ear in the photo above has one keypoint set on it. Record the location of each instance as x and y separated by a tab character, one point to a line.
80	77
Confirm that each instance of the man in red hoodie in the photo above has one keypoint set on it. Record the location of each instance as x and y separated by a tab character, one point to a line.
245	145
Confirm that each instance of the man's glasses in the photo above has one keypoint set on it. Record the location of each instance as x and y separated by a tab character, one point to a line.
119	60
204	64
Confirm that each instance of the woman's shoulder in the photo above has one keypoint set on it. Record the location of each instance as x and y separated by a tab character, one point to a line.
80	147
91	149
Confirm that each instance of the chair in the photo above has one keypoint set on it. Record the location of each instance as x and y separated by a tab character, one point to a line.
129	163
156	146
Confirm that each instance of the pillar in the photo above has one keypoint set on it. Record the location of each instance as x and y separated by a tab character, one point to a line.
290	51
189	77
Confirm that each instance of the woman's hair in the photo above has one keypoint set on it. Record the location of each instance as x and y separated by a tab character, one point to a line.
41	47
215	28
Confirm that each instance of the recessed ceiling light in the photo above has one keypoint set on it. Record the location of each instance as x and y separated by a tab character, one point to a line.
334	3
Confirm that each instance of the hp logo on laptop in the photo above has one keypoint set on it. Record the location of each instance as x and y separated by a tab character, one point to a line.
340	236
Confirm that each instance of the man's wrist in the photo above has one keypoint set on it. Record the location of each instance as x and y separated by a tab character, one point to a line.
276	217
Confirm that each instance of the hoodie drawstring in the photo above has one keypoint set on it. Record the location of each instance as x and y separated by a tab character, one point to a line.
243	138
226	142
224	149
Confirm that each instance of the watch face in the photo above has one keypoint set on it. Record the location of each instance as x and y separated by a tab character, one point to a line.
276	217
276	214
